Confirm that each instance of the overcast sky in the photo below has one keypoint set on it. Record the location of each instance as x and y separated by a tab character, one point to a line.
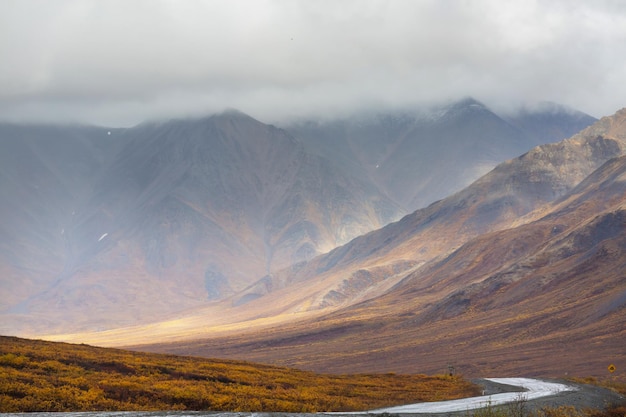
118	63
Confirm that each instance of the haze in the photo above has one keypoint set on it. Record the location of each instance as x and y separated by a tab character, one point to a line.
118	63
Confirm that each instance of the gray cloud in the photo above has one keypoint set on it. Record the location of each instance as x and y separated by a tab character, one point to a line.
121	62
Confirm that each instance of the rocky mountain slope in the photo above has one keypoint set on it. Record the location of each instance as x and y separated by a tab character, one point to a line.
106	228
532	282
181	213
495	201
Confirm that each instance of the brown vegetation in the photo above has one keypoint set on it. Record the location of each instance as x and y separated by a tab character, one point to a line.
47	376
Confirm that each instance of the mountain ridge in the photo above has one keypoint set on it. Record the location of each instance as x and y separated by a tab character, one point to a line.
188	213
185	195
495	199
366	315
543	298
429	138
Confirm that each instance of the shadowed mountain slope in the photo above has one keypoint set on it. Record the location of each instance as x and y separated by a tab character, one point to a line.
181	213
495	201
201	217
420	156
464	278
547	298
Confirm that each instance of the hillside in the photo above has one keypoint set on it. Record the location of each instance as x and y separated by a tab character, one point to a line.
538	292
542	299
177	215
45	376
370	264
111	228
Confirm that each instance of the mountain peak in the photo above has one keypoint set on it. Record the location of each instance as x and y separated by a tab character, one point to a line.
610	126
233	113
227	114
469	101
467	104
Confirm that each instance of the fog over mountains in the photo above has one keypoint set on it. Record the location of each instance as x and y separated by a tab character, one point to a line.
422	156
103	228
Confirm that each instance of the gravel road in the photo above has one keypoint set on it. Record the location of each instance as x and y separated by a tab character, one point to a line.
580	396
584	397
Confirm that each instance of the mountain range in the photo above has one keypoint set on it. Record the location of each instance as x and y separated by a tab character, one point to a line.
418	157
271	240
165	217
520	272
530	279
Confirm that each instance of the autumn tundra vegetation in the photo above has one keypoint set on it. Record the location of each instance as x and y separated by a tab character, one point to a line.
46	376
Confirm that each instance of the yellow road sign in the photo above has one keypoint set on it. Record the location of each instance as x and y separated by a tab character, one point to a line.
611	368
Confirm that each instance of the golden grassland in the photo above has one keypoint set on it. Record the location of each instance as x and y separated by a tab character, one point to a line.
50	376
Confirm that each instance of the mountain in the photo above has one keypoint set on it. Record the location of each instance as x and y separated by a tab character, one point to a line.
422	155
108	228
493	202
238	183
180	213
528	279
546	298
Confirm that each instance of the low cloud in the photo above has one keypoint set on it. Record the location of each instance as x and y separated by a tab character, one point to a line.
118	63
